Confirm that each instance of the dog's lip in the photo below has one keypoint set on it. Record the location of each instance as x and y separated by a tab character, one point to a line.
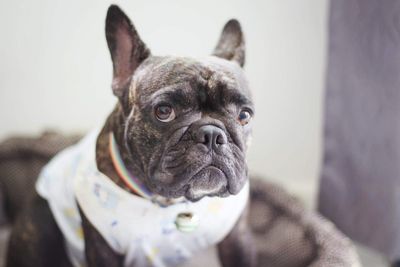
191	195
184	185
212	166
184	189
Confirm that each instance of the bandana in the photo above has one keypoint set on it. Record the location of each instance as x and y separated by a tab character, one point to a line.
144	232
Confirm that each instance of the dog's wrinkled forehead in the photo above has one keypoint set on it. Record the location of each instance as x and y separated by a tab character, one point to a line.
212	73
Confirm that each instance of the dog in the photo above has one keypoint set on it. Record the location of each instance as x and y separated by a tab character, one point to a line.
165	177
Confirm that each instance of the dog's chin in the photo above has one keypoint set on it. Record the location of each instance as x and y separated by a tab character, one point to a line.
210	181
203	177
196	195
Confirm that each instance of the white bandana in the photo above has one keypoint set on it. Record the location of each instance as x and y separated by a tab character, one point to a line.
133	226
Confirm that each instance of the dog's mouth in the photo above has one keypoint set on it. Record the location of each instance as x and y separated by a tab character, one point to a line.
209	181
197	175
188	168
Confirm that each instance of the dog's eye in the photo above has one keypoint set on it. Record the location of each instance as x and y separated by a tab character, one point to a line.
164	113
244	117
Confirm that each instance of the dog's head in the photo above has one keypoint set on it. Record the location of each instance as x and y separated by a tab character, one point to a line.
186	121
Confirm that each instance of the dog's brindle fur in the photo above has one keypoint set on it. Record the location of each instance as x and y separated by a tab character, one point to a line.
204	92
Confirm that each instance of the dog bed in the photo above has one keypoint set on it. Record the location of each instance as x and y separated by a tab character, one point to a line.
285	233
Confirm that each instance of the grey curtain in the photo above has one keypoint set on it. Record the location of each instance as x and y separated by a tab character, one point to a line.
360	178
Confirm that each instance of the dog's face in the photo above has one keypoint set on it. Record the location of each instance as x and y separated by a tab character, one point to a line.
186	121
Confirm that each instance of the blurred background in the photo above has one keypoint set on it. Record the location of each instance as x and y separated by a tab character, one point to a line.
56	69
55	72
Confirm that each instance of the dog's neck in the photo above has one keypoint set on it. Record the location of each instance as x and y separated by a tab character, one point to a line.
103	157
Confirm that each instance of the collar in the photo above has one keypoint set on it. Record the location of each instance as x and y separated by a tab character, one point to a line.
132	182
129	179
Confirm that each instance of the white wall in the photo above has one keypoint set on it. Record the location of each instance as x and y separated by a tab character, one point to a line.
55	68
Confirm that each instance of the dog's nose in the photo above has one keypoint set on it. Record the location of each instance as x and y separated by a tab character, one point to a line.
211	136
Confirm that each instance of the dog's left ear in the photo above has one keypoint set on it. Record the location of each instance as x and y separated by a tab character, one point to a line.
231	44
126	48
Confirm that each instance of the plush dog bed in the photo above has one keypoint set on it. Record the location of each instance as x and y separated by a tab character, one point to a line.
285	233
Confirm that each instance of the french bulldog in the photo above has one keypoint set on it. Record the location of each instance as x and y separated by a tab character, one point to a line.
180	130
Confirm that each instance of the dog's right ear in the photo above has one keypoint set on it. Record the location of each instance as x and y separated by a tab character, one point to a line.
126	48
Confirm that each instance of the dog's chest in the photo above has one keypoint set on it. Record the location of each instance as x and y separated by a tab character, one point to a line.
148	233
144	232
